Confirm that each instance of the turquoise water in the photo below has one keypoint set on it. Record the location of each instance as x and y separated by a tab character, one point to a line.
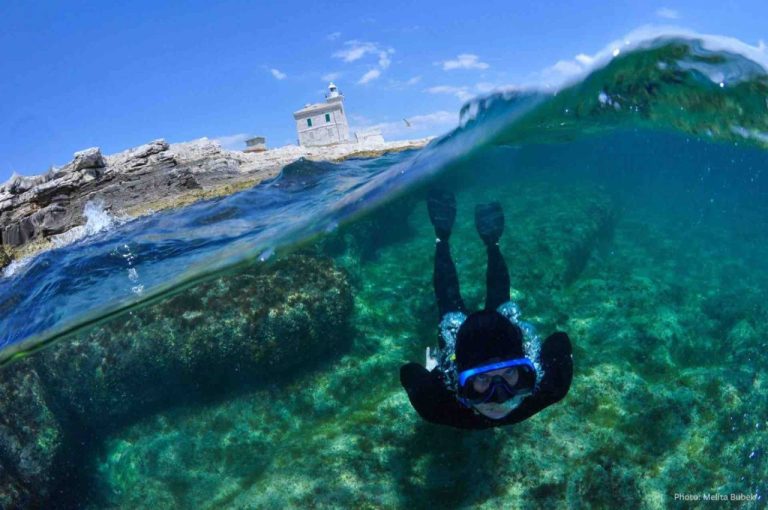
251	357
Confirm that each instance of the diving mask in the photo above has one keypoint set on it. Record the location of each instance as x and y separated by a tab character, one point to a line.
513	378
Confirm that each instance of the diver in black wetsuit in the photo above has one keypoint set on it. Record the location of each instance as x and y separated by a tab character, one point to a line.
491	368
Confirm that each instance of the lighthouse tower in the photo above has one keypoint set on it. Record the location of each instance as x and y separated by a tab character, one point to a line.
323	123
333	93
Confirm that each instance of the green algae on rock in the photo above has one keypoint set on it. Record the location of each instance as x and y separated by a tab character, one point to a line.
5	258
247	328
31	440
237	328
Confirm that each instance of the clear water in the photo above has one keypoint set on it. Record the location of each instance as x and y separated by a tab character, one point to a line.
244	352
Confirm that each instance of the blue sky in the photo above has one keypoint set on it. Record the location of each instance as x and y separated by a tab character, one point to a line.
118	74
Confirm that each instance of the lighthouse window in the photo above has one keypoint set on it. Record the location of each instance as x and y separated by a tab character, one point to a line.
327	117
309	122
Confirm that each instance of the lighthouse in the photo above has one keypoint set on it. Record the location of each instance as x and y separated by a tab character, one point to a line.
323	123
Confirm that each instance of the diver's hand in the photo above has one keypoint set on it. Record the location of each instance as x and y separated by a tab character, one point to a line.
430	362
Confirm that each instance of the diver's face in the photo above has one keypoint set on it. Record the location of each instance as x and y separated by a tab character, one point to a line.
481	382
496	410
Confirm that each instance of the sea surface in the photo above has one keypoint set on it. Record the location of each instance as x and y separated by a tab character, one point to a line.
244	352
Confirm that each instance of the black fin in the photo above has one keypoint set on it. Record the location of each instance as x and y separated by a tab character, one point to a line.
442	212
489	220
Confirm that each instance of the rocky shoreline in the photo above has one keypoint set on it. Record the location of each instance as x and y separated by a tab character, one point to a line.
142	180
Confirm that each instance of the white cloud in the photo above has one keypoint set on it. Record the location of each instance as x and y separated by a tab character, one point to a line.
485	87
330	76
465	93
333	36
233	142
667	13
464	61
566	68
369	76
403	84
360	120
384	60
462	93
277	74
420	125
355	50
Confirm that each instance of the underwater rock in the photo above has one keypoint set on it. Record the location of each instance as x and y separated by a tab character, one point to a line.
238	329
234	332
12	494
192	455
30	439
243	452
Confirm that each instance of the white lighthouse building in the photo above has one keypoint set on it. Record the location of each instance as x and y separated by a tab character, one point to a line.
323	123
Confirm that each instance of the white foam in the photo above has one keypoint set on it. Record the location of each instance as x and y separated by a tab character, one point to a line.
751	134
98	219
14	266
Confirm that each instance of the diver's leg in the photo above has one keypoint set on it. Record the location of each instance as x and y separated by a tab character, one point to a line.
496	279
442	213
446	280
489	220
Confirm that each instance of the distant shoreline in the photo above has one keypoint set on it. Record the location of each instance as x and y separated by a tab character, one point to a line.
147	179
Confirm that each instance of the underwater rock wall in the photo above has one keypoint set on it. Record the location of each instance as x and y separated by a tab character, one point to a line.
237	330
30	439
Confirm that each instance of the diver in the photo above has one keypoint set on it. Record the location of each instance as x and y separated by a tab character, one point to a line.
491	368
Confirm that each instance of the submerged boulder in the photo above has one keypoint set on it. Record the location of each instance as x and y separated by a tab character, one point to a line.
30	439
237	329
233	332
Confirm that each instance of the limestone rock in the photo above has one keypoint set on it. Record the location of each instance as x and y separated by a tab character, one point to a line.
5	258
18	233
152	176
88	158
234	330
30	439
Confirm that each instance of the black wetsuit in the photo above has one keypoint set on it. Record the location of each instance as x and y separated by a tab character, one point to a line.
427	390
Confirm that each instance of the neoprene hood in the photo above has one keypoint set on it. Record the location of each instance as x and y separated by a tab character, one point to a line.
486	335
